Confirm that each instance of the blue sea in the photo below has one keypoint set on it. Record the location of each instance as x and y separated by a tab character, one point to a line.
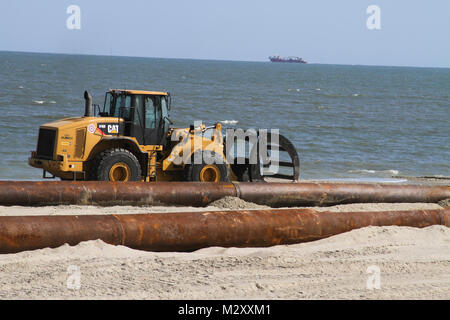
347	122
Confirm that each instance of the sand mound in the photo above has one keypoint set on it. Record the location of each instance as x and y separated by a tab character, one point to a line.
234	203
444	203
84	250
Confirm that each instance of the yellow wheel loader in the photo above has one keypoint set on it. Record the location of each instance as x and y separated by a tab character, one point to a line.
130	138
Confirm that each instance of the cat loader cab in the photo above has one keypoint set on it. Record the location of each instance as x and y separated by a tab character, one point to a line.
144	114
127	139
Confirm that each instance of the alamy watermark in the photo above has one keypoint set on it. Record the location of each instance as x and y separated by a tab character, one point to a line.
374	20
374	280
249	146
73	22
73	281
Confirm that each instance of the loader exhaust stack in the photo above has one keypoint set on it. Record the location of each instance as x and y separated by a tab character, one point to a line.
88	105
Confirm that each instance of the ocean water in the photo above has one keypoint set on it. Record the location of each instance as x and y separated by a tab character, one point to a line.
347	122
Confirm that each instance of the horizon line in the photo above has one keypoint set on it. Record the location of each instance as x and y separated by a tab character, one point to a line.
210	59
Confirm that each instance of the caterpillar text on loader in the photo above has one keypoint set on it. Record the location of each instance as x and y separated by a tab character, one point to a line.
131	139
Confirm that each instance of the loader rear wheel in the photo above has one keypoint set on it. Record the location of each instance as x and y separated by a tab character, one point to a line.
210	173
116	165
119	172
205	172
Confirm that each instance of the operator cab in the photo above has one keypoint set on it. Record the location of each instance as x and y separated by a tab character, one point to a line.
145	114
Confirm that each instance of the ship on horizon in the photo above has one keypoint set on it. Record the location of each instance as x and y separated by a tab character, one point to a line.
287	59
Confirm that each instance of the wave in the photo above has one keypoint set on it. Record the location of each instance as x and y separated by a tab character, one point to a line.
362	171
372	180
230	121
391	171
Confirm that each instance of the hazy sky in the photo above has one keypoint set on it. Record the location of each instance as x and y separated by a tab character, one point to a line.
413	32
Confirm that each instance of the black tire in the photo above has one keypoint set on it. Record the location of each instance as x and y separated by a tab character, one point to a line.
241	171
196	172
108	163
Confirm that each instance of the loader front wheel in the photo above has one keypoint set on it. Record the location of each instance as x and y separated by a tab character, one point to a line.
116	165
204	172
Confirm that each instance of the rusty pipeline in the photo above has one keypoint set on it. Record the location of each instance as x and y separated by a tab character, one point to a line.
188	231
326	194
39	193
34	193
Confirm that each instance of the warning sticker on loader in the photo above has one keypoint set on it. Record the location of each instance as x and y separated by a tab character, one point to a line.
91	128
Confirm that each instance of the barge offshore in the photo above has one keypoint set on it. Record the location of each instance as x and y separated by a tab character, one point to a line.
287	59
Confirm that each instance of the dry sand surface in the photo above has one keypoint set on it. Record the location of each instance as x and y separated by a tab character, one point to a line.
227	203
414	264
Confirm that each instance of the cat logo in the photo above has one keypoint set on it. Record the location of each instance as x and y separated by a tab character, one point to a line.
113	128
109	128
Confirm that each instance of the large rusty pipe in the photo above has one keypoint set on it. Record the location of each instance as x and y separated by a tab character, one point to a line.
326	194
39	193
187	231
33	193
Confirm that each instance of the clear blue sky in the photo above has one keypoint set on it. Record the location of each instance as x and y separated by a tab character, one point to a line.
413	32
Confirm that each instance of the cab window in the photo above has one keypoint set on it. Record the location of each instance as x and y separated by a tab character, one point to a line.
122	107
138	107
108	108
152	112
